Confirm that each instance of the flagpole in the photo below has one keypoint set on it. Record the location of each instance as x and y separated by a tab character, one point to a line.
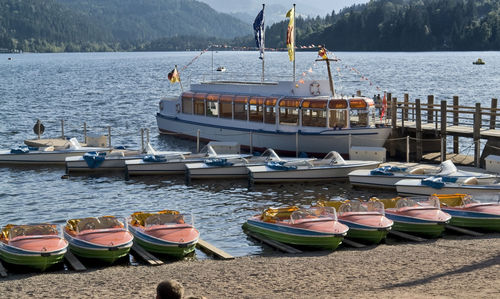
180	82
294	27
263	41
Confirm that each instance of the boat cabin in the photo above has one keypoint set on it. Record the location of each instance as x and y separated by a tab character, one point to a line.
297	111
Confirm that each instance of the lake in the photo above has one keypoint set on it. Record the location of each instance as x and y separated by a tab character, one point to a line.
122	90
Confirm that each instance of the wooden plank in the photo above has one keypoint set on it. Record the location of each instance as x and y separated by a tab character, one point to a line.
430	112
477	135
74	262
418	133
275	244
406	236
443	130
207	247
353	243
3	272
455	123
463	230
146	256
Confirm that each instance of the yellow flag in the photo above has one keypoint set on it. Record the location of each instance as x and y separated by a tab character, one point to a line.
290	34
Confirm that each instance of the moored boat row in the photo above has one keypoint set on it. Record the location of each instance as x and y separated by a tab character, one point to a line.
322	226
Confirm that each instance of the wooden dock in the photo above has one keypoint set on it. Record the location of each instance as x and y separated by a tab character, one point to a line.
431	123
212	250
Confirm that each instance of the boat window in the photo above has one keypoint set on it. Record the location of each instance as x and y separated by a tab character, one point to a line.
226	106
358	118
212	105
338	118
240	107
187	103
32	230
337	104
199	103
256	109
289	111
314	113
270	110
357	103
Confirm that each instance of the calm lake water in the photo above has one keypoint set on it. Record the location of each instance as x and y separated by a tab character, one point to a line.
122	90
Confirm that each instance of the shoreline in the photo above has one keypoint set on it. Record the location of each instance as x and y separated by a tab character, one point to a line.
452	266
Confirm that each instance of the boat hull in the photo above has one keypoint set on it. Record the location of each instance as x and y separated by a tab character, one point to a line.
107	253
282	140
139	167
477	217
264	174
296	237
200	171
56	158
418	226
414	187
366	228
38	260
363	178
166	247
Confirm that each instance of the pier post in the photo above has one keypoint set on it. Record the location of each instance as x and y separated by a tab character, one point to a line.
147	135
476	134
85	132
198	141
443	130
407	148
493	115
62	128
418	128
405	107
349	144
296	144
39	127
389	101
430	107
142	140
394	122
251	143
455	123
109	136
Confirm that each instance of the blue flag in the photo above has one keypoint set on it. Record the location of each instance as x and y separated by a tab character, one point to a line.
258	28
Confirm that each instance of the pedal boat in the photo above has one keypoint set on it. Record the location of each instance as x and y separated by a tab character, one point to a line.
420	216
104	238
47	156
37	246
387	176
467	212
165	232
331	167
176	164
366	220
98	162
214	168
474	186
315	227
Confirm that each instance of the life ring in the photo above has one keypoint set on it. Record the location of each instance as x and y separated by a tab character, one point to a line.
314	88
178	108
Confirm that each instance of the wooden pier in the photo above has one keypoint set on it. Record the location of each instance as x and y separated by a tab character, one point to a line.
431	123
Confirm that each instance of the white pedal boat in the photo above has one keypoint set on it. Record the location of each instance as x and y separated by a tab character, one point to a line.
333	166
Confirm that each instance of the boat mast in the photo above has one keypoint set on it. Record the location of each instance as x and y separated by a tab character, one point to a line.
330	79
263	41
294	42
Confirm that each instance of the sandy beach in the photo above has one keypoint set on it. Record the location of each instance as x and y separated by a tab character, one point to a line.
455	266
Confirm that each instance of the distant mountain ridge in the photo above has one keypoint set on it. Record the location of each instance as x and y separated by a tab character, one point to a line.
104	25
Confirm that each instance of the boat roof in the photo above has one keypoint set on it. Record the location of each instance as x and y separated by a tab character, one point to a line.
315	88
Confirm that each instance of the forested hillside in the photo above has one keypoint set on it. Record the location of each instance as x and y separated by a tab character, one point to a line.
105	25
163	25
402	25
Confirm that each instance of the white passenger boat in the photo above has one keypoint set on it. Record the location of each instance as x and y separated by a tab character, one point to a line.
50	155
388	176
234	168
472	186
290	117
331	167
176	164
113	160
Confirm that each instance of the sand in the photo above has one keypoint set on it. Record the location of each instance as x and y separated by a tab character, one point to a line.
456	266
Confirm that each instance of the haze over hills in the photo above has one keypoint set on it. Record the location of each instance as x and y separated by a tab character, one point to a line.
246	10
